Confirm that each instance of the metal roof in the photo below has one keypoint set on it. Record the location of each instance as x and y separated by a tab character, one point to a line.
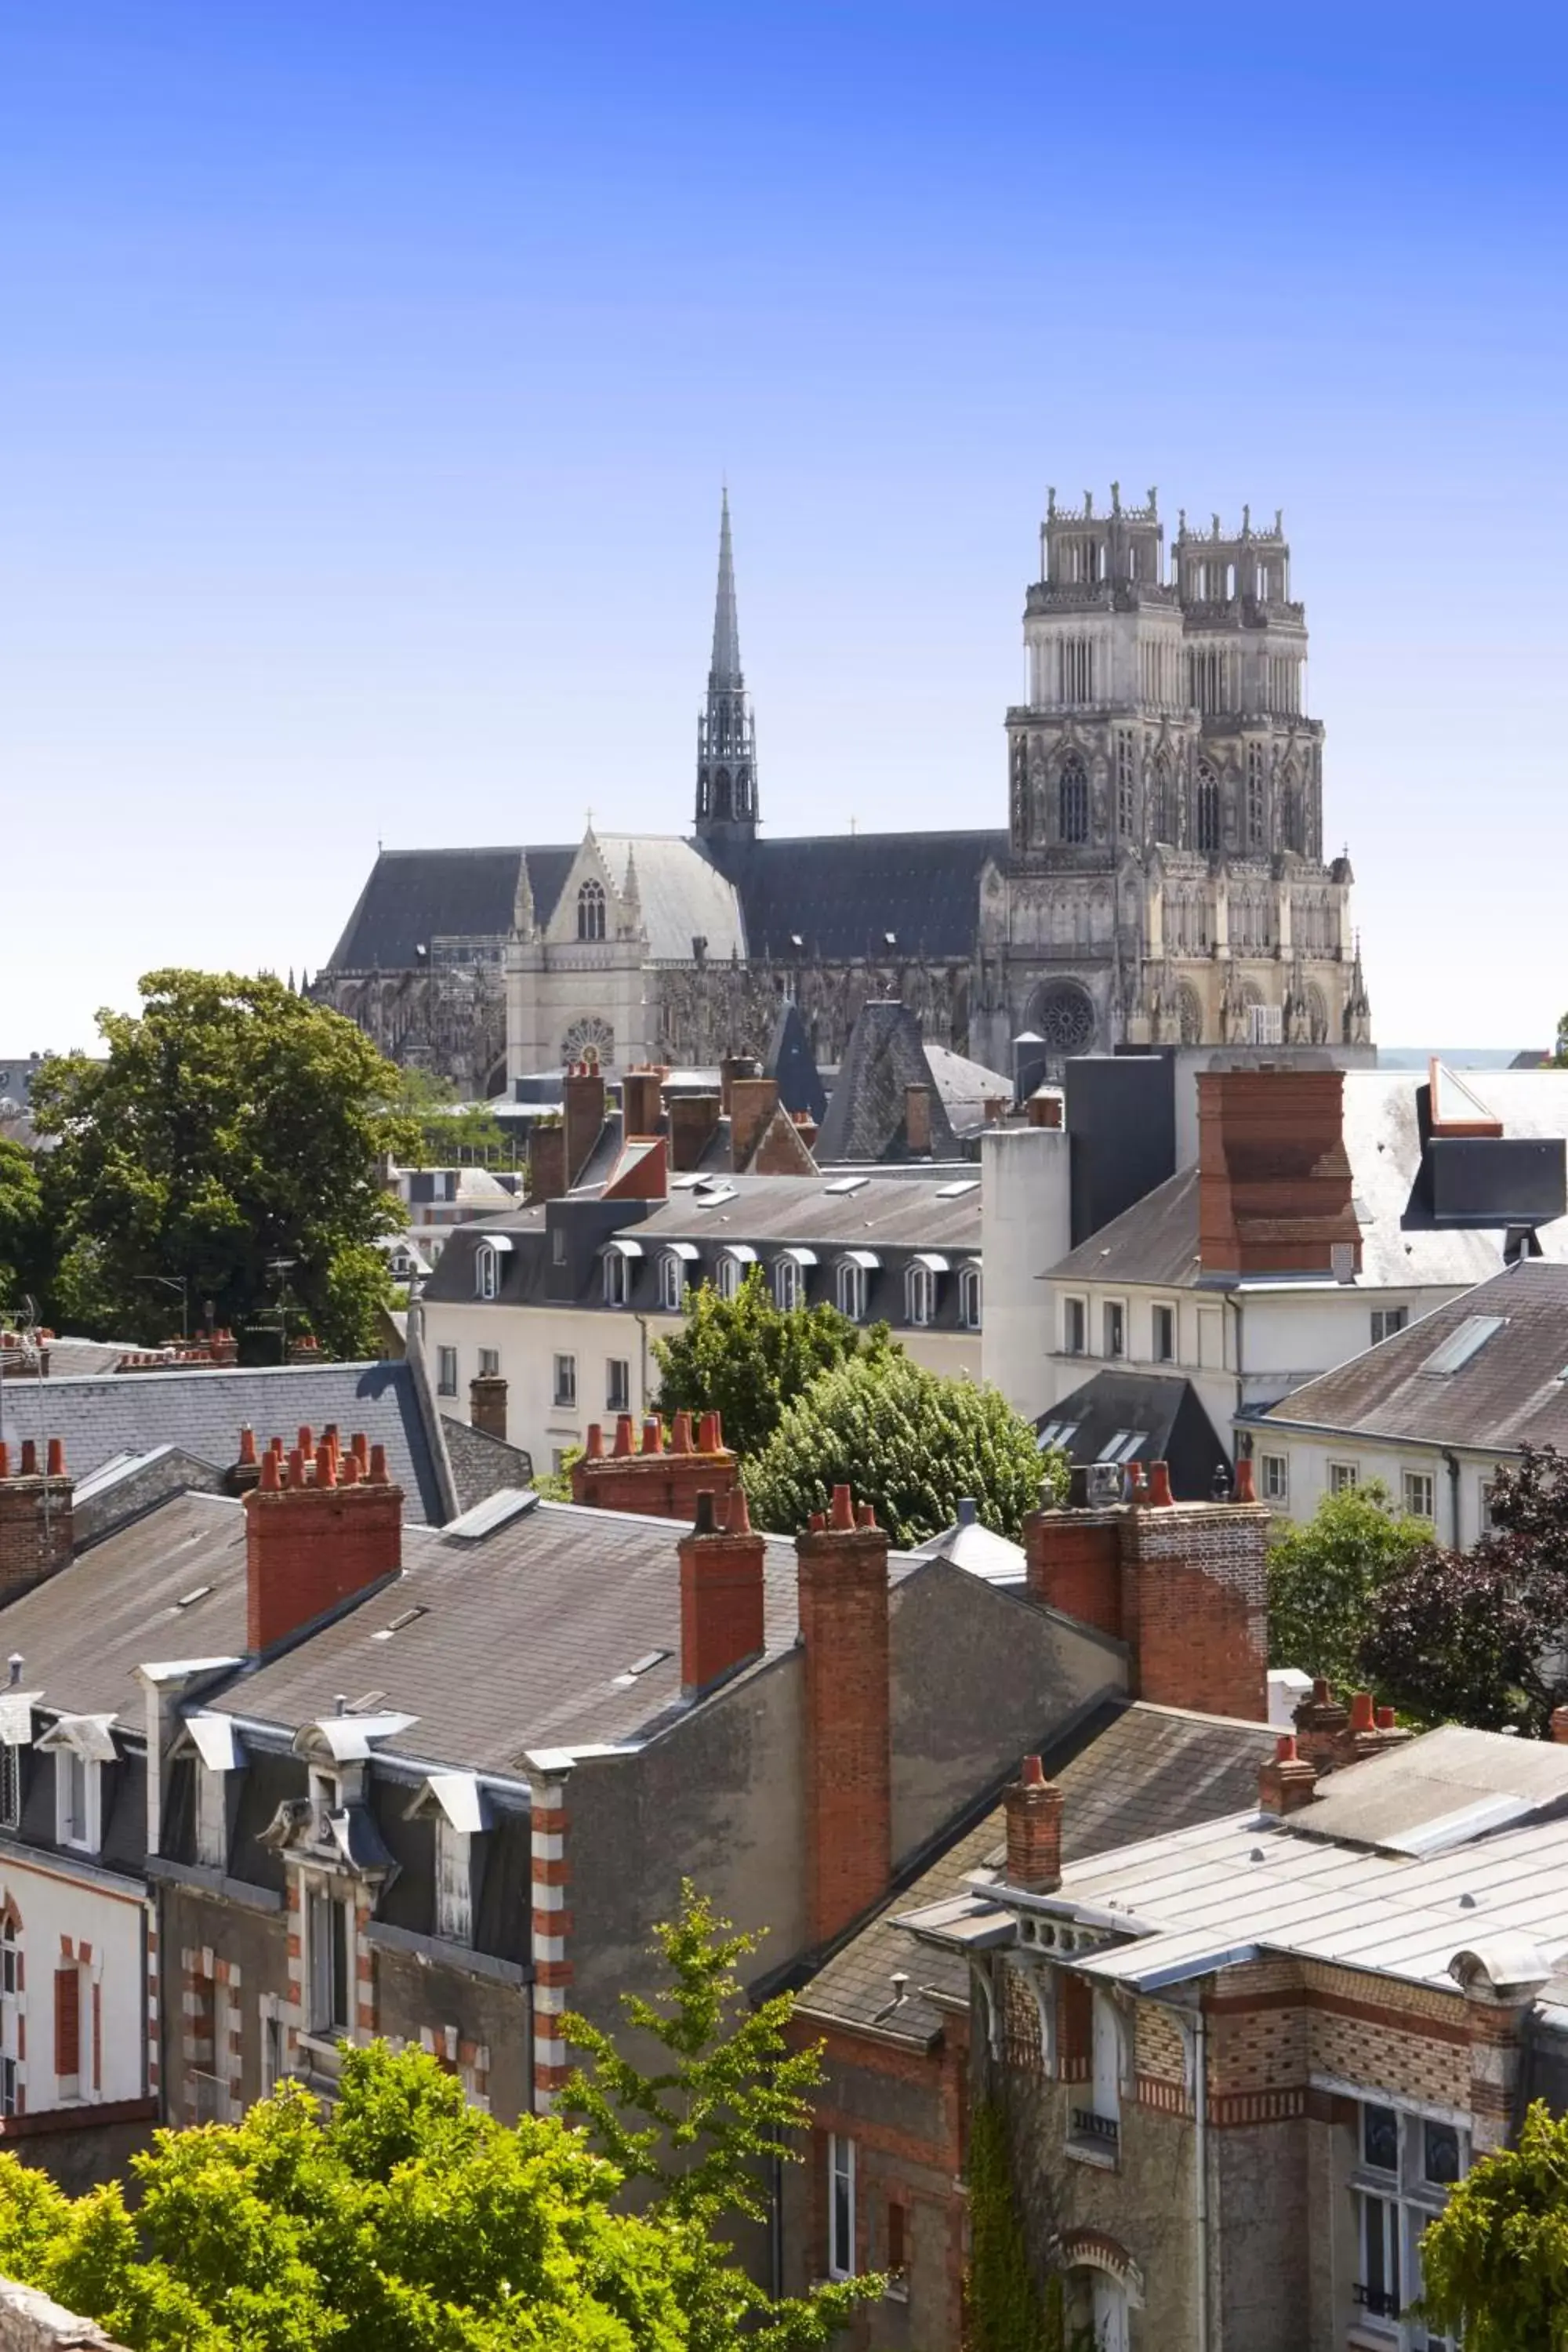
887	1211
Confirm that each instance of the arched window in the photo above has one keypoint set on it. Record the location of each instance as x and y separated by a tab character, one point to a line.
722	800
487	1270
591	911
671	1282
969	1295
920	1294
786	1285
1257	799
1208	809
10	1987
850	1284
1126	782
1072	800
732	1272
1165	806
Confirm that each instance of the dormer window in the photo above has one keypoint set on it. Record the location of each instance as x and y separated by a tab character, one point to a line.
671	1283
850	1282
919	1288
486	1271
969	1297
78	1801
615	1278
212	1817
732	1268
324	1803
454	1882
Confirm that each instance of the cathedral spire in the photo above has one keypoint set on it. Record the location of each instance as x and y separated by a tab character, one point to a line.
726	733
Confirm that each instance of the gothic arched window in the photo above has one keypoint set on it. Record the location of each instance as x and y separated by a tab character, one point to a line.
1208	808
591	911
1126	780
1256	801
721	802
1164	809
1072	800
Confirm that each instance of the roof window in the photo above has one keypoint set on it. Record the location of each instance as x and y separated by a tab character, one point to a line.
1466	1340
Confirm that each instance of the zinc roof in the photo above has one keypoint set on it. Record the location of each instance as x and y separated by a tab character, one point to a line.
900	1213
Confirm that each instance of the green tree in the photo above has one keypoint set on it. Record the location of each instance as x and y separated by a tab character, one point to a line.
1481	1636
747	1359
462	1132
911	1441
1324	1577
231	1125
727	2097
22	1227
1495	2261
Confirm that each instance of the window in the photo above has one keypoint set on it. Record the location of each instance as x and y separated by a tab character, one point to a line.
212	1816
486	1271
490	1363
1126	782
1256	799
1418	1494
1484	1506
1208	808
840	2206
618	1385
76	1800
558	1247
10	1787
10	2033
454	1882
567	1380
1100	2121
786	1285
1406	2165
1387	1321
896	2264
324	1793
68	2023
671	1283
729	1276
1165	1335
969	1297
330	1973
273	2064
591	911
1344	1477
1075	1326
1072	792
919	1294
615	1278
1115	1328
1275	1469
850	1285
446	1371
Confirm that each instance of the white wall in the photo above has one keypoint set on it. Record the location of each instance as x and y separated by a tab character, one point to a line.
61	1915
1308	1456
1024	1226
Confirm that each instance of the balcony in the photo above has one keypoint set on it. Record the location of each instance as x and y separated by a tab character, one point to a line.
1095	2138
1375	2300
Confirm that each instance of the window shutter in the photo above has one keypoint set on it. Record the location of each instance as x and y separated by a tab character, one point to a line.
67	2021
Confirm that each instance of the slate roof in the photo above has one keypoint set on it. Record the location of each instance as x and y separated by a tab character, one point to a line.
889	1211
965	1087
569	1600
681	894
84	1632
414	896
866	1111
204	1412
1511	1391
1163	1410
1156	1241
842	893
1130	1772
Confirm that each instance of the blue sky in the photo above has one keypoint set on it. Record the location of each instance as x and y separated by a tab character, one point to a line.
367	374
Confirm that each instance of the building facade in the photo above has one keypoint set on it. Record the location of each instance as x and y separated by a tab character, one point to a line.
1160	878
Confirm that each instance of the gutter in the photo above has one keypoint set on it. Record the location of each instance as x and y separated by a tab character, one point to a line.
1452	1461
1201	2172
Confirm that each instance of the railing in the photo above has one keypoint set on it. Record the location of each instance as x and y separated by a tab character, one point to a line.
1377	2300
210	2098
1088	2125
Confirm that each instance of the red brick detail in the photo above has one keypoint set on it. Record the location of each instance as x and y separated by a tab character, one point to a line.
551	1923
486	1404
843	1586
1287	1782
35	1521
548	1820
546	1159
1195	1606
307	1547
783	1148
1169	2098
67	2019
661	1485
1034	1809
1075	1565
1230	2109
721	1598
1274	1177
753	1102
551	2077
642	1172
550	1873
583	1112
553	1972
693	1121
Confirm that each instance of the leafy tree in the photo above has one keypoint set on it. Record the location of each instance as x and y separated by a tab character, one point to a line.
911	1441
23	1229
231	1125
1480	1637
747	1359
448	1130
1324	1576
1495	2261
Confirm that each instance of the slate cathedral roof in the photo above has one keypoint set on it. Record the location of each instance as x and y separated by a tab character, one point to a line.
840	896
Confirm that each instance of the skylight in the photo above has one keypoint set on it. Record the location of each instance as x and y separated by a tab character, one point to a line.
405	1617
649	1659
188	1600
707	1196
847	1184
955	1192
1464	1342
1123	1445
1057	1432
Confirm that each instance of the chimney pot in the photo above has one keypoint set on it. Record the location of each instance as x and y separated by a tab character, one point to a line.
843	1514
1559	1726
1034	1809
738	1522
1160	1492
594	1451
653	1434
1245	1492
681	1434
378	1466
270	1482
967	1511
1387	1719
623	1444
865	1516
351	1470
16	1661
56	1457
29	1457
359	1446
708	1439
296	1465
306	1440
817	1523
248	1445
4	1459
1364	1713
326	1464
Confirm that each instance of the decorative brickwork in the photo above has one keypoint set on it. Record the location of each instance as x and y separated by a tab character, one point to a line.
1195	1606
318	1528
552	1968
469	2061
660	1479
721	1594
34	1515
212	2037
843	1585
1274	1176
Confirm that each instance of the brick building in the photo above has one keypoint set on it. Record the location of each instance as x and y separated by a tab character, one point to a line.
1241	2065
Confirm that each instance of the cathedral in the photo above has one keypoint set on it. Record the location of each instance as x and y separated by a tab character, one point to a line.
1160	878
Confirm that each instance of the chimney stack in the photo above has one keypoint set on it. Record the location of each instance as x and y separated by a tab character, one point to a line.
693	1120
547	1158
733	1066
1274	1177
642	1102
583	1111
486	1404
316	1532
662	1480
1287	1782
842	1564
753	1102
35	1508
1034	1808
721	1594
917	1121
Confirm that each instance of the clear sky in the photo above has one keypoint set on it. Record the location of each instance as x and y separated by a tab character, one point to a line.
367	376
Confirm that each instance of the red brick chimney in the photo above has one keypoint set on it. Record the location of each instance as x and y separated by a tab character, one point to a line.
1044	1110
486	1404
1320	1724
733	1066
1274	1177
662	1480
917	1121
1287	1782
34	1515
642	1102
583	1092
753	1102
1559	1726
693	1120
1033	1807
721	1594
317	1530
547	1160
843	1586
1370	1731
1182	1584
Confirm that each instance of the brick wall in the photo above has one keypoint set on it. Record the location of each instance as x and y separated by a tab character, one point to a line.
317	1530
843	1585
34	1515
662	1477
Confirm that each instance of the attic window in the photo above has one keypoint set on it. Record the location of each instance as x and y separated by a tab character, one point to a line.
1464	1342
708	1196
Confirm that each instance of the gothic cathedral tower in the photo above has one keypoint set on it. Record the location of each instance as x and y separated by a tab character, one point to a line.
1164	882
726	732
